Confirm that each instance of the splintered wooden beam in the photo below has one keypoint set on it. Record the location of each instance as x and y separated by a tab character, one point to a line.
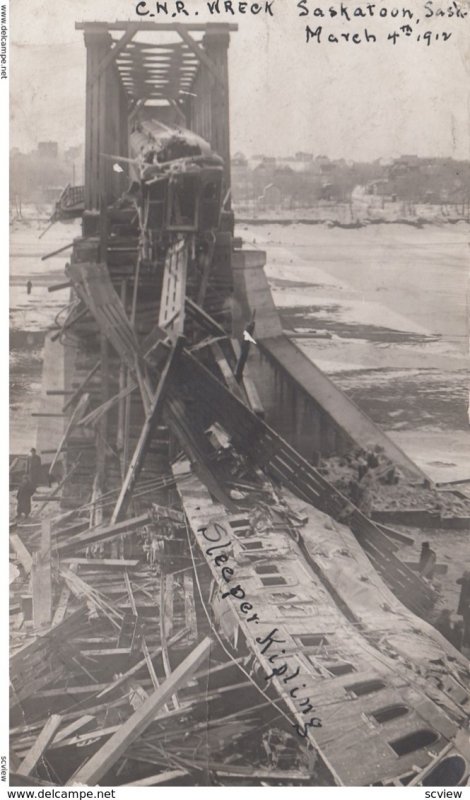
101	534
73	727
61	608
99	764
45	737
118	563
24	556
41	580
162	777
148	427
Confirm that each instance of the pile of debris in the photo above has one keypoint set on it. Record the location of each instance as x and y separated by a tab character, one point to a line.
110	677
377	486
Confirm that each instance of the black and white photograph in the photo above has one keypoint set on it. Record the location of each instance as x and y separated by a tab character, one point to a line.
239	454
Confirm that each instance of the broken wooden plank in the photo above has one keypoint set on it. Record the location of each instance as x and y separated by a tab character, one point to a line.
189	606
61	608
111	651
22	552
118	563
41	580
99	764
45	737
166	624
226	371
101	534
162	777
74	726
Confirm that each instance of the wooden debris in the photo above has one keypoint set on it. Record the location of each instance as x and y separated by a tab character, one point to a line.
99	764
110	563
45	737
41	580
148	427
101	534
73	727
133	670
189	606
162	777
22	552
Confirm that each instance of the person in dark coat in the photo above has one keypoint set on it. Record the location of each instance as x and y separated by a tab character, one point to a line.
464	607
427	561
24	495
34	469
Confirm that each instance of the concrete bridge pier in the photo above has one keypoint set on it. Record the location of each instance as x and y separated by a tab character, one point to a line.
301	403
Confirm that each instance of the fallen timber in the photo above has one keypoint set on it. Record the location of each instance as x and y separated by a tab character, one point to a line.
178	438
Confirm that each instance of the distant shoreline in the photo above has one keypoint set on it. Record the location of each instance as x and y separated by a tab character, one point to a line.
332	223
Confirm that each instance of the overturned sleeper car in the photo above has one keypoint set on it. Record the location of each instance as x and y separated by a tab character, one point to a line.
378	692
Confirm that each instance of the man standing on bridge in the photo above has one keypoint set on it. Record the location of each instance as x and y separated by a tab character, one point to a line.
34	469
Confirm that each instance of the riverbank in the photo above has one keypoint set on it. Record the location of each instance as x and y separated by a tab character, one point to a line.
393	303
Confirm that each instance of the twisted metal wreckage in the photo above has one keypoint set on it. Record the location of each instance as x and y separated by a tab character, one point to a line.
189	528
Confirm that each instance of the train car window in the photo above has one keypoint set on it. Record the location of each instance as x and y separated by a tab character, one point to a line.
449	772
266	569
413	741
340	669
388	713
273	581
312	639
365	687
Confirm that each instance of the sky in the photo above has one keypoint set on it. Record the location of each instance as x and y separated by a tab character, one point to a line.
346	100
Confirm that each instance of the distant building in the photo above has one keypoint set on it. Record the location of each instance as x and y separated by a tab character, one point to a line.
271	197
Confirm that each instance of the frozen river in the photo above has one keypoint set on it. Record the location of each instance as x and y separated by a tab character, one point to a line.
394	300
